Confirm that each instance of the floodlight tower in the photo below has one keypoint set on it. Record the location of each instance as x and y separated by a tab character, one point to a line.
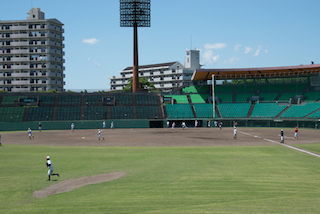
135	13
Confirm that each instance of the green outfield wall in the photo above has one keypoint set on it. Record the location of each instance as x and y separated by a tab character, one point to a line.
156	123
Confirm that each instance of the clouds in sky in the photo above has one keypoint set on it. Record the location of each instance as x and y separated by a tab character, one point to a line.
211	53
94	62
208	55
91	41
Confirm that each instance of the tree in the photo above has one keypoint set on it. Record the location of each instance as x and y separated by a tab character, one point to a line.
144	85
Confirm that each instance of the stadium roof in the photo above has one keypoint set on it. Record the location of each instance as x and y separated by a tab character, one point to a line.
266	72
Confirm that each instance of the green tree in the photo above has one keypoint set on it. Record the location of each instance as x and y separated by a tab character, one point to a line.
144	85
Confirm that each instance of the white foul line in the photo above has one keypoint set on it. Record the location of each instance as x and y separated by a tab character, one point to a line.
282	144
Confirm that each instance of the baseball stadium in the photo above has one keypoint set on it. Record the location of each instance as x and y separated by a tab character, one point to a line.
154	152
143	166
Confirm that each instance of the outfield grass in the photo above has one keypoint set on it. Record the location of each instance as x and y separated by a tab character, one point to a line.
250	179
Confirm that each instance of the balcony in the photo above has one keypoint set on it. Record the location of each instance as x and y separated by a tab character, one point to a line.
19	27
19	43
20	75
19	36
20	59
20	67
21	51
20	82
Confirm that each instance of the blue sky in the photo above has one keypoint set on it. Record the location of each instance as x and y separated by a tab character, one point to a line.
229	33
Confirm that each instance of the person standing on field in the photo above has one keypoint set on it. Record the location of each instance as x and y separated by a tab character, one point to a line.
50	168
281	136
30	133
296	133
173	125
72	127
39	126
234	132
100	135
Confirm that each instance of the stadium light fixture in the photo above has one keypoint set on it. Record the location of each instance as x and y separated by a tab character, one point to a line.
135	13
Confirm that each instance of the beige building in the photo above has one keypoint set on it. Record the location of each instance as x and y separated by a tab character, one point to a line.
164	76
31	54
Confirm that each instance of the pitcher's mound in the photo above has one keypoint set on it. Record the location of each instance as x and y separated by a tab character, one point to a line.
71	184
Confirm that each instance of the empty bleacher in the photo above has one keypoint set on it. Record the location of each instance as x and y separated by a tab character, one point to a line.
181	99
11	114
40	114
234	110
69	100
68	113
179	111
299	111
147	112
267	110
95	112
199	98
204	110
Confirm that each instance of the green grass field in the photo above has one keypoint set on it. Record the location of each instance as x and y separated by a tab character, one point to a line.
242	179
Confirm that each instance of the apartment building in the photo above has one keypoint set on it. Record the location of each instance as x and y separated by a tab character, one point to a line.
31	54
164	76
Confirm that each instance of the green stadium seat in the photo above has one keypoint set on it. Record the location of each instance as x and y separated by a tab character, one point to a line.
244	97
179	111
181	99
267	109
40	114
199	98
122	112
146	100
298	111
145	112
312	96
11	114
234	109
204	110
68	113
225	98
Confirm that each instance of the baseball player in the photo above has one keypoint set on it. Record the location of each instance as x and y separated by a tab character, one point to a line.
111	125
72	127
234	132
50	168
281	136
30	133
296	133
173	125
100	135
196	123
104	124
184	125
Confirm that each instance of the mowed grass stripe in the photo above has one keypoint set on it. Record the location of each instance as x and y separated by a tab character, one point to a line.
251	179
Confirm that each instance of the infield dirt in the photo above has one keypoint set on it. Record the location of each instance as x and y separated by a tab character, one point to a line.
161	137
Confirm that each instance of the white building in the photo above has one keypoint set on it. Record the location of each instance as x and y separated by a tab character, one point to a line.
31	54
164	76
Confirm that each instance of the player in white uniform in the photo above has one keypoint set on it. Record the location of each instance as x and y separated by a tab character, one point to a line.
184	125
50	168
234	132
173	125
111	125
72	127
30	134
196	123
100	135
104	124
